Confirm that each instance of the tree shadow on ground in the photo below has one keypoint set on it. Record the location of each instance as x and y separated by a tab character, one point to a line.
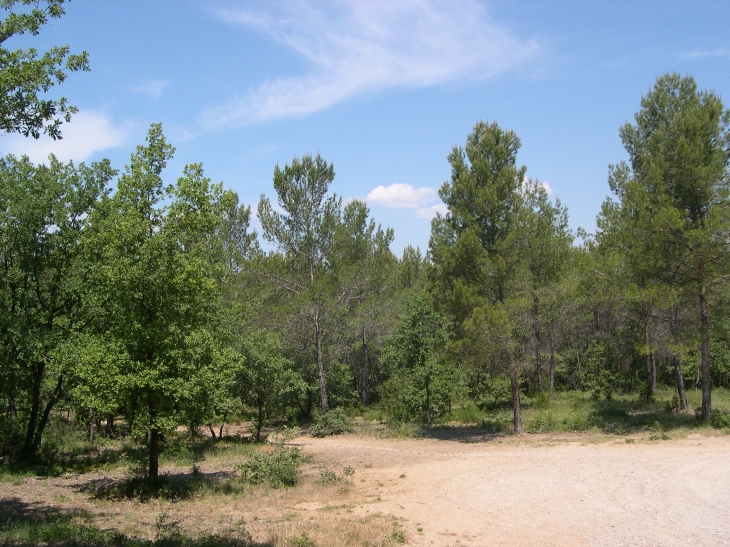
611	417
32	524
170	486
636	416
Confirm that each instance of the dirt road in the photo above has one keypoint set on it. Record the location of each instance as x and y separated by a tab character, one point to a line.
661	493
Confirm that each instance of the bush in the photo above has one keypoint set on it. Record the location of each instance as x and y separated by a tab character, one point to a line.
720	420
279	468
334	422
541	400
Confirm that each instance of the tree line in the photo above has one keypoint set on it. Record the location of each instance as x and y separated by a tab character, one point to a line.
144	306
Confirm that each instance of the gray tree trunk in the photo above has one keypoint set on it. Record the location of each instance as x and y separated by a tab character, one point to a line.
320	363
516	410
365	369
705	349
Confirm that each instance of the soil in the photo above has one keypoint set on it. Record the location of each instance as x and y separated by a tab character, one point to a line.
546	492
457	490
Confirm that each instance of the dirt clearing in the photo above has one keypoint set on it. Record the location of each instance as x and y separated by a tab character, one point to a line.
544	493
541	490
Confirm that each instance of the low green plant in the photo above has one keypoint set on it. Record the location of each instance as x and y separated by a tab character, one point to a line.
398	535
334	422
720	420
302	541
327	476
277	468
541	400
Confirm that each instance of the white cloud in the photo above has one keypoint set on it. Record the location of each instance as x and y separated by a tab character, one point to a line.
358	47
430	212
548	188
401	196
86	133
152	88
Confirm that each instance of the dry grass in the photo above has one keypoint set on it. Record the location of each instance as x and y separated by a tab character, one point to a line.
319	513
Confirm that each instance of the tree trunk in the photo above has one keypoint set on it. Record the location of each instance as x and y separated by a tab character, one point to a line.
259	421
320	364
653	373
110	424
91	426
516	410
13	411
537	347
46	414
365	369
212	431
705	348
154	454
679	379
552	363
428	401
34	410
223	421
650	386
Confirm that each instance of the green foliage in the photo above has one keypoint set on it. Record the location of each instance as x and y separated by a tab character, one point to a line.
720	420
25	76
422	384
541	400
278	468
597	377
334	422
161	291
265	380
45	276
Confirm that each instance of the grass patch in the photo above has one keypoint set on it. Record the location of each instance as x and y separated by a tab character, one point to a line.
580	411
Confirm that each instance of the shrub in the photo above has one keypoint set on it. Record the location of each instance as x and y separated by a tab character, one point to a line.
334	422
720	420
541	400
279	468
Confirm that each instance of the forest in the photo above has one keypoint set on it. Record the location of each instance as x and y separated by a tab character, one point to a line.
148	313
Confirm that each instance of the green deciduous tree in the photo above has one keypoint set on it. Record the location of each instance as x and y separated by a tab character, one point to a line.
44	214
421	384
163	268
266	378
25	76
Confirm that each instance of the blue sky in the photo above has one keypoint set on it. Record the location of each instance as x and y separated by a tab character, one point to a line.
381	89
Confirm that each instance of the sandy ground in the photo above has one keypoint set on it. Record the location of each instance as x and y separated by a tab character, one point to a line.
659	493
540	490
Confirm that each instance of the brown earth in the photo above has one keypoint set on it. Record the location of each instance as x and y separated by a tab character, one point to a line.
505	491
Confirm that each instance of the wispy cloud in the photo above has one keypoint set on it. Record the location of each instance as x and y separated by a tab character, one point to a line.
401	196
359	47
719	52
548	188
86	133
152	88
